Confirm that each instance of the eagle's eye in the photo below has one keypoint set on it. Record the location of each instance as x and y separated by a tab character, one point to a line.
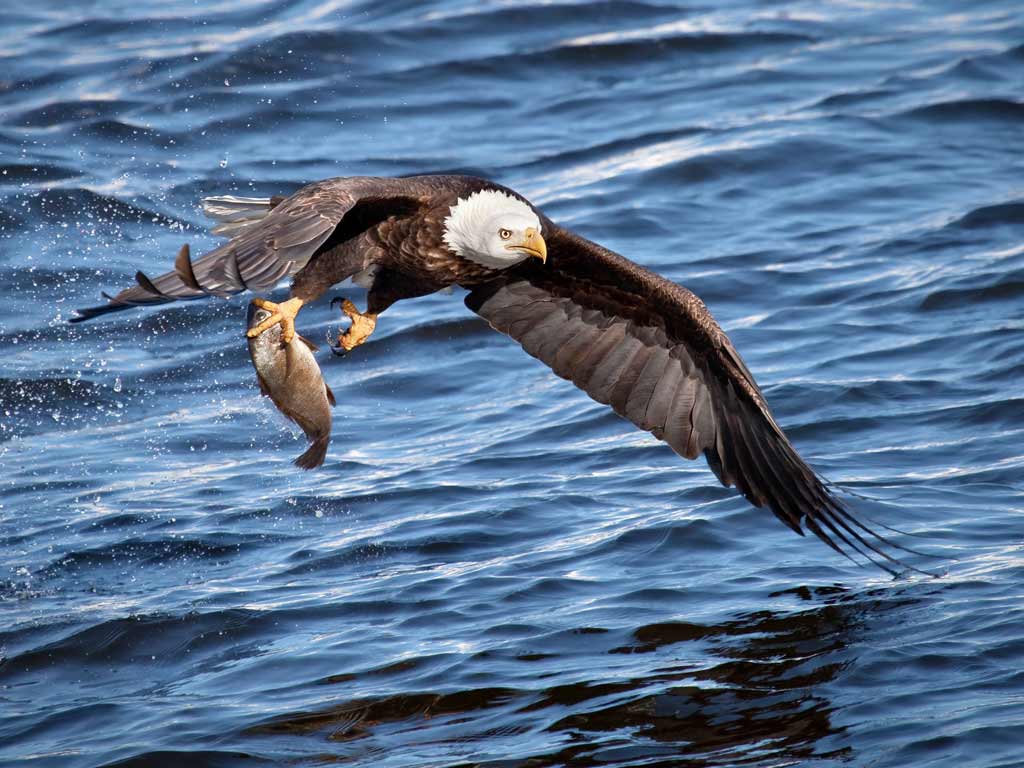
504	234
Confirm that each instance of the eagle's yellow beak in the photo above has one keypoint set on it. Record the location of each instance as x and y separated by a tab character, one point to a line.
532	245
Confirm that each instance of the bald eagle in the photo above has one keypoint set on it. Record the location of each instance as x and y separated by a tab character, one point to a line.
628	337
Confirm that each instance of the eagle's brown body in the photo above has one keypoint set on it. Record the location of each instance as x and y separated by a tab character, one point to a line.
406	248
627	336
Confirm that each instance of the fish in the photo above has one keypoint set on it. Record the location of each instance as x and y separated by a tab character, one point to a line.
289	375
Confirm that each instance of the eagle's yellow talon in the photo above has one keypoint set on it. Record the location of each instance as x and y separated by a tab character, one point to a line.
283	313
361	328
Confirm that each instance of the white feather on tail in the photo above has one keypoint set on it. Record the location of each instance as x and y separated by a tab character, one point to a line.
236	214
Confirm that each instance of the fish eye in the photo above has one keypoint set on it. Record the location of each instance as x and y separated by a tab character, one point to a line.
504	234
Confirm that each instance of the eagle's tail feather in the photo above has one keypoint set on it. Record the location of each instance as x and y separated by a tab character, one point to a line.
235	214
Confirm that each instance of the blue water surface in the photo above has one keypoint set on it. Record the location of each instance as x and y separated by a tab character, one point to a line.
492	570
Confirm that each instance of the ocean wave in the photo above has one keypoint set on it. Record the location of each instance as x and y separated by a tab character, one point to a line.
970	110
61	205
1011	213
79	111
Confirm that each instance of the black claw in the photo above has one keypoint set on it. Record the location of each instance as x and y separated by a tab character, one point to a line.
336	349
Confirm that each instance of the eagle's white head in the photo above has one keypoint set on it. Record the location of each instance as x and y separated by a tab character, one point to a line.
494	229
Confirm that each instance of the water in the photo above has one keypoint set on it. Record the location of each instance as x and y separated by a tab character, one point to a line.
493	570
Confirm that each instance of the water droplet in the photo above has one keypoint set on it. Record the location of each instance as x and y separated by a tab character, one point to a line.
117	384
224	163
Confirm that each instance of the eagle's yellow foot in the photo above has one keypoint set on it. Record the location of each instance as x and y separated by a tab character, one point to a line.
360	330
283	313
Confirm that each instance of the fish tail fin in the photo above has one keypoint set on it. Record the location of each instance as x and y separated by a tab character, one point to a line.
235	214
315	454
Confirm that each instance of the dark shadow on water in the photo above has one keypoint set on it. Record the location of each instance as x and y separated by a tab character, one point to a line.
746	691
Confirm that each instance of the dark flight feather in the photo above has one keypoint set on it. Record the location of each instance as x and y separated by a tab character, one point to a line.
183	269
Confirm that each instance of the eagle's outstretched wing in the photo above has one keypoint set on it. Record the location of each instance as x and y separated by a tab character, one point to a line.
266	247
651	350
